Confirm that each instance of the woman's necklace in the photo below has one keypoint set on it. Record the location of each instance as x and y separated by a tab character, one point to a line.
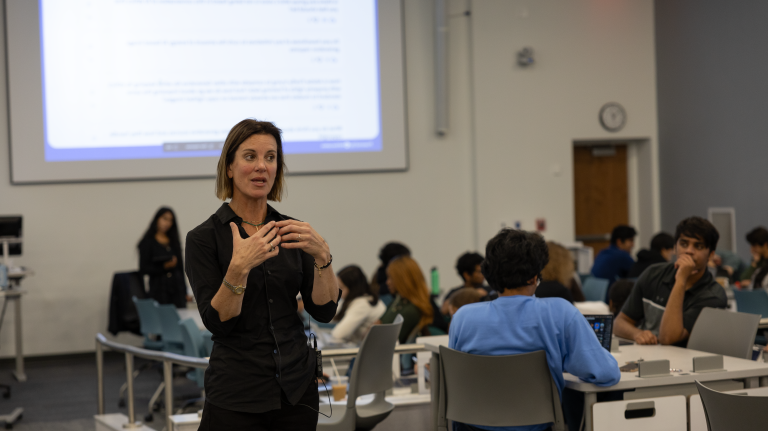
256	225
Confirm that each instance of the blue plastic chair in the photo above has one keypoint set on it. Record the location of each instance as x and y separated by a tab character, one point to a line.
149	322
193	346
169	322
751	301
595	289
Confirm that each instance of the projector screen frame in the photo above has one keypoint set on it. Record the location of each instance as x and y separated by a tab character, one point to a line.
393	104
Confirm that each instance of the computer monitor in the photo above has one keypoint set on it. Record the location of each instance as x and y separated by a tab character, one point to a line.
10	231
602	324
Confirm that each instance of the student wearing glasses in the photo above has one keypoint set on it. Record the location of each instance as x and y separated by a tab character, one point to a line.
668	297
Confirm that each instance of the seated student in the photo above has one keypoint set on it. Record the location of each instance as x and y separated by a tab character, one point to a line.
758	247
388	252
557	277
518	322
725	263
662	249
462	297
618	295
668	297
615	261
468	267
406	283
361	307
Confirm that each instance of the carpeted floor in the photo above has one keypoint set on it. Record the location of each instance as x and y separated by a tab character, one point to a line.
61	392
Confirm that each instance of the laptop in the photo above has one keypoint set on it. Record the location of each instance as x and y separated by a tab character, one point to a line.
602	324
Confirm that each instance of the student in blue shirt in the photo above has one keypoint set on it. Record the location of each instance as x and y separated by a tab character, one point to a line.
518	322
614	262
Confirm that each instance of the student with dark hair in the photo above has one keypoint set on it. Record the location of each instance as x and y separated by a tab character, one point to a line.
518	322
618	295
360	308
160	258
468	268
668	297
758	247
388	252
662	249
615	261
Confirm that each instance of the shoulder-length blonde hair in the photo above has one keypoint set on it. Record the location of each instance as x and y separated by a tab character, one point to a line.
409	283
560	267
242	131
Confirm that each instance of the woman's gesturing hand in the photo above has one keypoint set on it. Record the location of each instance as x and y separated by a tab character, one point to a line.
251	252
305	238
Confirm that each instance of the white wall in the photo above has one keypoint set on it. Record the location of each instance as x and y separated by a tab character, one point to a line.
77	235
587	53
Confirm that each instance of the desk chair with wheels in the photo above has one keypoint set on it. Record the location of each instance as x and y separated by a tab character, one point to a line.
726	412
724	332
168	318
149	323
371	375
169	323
510	390
193	346
149	326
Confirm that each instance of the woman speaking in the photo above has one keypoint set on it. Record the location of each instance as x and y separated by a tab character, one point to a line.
246	264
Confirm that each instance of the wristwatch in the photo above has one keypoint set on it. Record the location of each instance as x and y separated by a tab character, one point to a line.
237	290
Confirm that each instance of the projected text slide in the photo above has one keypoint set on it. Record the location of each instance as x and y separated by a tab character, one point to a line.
132	79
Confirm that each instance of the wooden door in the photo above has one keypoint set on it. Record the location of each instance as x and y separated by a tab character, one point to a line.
600	192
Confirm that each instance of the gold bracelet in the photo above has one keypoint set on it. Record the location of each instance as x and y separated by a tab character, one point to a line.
321	268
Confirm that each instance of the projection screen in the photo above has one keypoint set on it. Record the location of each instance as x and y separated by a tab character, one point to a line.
105	90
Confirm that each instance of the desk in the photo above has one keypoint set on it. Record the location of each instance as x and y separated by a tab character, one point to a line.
735	369
14	295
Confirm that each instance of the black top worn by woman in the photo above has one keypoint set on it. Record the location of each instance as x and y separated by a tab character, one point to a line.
263	351
166	286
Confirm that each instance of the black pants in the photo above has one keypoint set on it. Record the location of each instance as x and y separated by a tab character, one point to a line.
288	417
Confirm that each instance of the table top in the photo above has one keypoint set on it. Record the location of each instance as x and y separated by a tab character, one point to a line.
433	342
679	358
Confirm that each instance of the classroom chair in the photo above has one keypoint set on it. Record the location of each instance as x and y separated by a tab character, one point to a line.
370	375
657	414
595	289
724	332
751	301
123	315
726	412
509	390
149	324
193	346
169	324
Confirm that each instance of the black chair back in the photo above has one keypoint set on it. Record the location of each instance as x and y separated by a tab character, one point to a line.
122	311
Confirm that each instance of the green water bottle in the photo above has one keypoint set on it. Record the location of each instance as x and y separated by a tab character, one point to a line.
435	281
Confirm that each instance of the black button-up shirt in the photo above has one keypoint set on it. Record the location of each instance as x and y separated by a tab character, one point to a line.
263	351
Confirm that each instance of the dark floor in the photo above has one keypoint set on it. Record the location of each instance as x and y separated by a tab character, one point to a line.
61	392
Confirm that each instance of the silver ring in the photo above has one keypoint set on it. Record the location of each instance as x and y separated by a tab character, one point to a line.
271	247
299	237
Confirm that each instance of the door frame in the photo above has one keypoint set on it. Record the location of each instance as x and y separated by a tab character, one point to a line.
642	186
